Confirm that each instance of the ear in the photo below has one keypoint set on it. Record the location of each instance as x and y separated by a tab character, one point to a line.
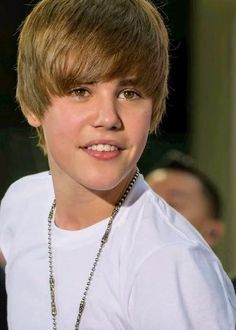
33	120
215	231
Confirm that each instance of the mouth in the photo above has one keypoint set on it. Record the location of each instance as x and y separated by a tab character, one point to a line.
103	147
103	150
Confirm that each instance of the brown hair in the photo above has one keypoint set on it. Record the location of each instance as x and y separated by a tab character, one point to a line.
67	41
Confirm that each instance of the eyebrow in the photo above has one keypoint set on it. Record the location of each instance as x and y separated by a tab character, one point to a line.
128	82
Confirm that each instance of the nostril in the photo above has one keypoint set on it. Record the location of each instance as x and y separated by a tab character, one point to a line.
108	121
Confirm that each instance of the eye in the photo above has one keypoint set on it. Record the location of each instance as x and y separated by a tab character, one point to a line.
129	94
80	92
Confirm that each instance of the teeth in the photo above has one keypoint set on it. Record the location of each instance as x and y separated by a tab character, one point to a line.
102	147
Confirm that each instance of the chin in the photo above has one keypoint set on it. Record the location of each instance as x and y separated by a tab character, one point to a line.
103	182
100	185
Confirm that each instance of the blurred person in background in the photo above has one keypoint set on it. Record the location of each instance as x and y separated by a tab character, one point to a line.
190	192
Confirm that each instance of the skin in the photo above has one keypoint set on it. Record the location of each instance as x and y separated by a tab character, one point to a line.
89	182
184	192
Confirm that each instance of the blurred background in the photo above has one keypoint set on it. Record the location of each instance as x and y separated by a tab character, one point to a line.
201	109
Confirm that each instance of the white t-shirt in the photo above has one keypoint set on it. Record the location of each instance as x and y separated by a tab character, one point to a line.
155	272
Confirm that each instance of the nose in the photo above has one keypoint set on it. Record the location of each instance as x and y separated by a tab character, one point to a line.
107	113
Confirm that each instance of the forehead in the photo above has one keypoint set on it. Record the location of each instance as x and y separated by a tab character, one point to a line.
168	179
181	189
89	69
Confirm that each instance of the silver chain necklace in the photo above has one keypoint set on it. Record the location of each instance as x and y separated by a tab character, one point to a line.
102	243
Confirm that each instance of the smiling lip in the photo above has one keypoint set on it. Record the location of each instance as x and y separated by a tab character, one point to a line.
103	150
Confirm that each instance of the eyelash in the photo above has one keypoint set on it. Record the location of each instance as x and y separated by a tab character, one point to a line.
77	93
133	92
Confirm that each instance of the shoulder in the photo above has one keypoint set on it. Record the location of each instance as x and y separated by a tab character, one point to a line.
163	247
156	234
158	223
24	204
37	181
28	187
28	194
150	227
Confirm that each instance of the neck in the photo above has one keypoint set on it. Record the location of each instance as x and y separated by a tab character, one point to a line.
80	207
75	215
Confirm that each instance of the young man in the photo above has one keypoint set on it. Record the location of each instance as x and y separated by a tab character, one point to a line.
91	246
190	192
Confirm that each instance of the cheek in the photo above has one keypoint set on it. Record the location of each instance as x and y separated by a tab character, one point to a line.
143	122
139	128
142	114
147	116
193	215
58	131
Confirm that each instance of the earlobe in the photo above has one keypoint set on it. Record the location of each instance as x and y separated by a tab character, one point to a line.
215	232
33	120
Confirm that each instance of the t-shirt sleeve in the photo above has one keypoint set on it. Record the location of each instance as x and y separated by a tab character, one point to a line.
179	287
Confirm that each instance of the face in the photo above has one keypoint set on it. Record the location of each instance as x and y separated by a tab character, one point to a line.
96	133
183	192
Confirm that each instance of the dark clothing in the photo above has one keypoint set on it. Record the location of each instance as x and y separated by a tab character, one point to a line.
234	283
3	302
